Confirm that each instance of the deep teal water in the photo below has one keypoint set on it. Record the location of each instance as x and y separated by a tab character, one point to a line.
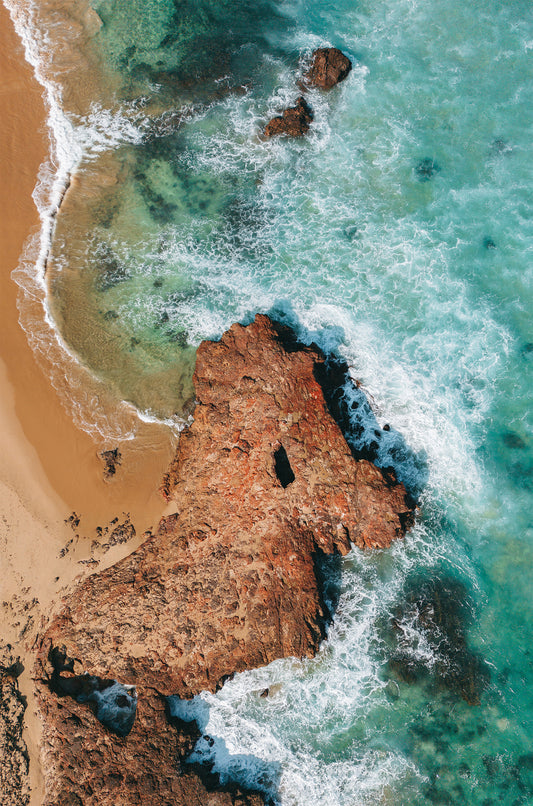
421	278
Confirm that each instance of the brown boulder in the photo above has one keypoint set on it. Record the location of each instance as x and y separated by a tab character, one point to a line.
329	67
264	484
294	121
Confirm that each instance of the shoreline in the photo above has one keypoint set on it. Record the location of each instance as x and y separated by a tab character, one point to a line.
48	467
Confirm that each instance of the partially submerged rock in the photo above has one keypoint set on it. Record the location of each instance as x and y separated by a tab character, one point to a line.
329	66
435	613
264	484
294	121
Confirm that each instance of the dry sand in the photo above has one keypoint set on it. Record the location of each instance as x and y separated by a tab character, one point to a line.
48	468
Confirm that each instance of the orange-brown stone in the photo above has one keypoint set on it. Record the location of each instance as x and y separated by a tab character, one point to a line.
264	483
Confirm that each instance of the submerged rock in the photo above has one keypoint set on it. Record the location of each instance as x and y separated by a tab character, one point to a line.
294	121
426	169
429	629
265	485
329	66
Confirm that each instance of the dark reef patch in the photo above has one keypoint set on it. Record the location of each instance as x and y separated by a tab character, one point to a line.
428	637
426	169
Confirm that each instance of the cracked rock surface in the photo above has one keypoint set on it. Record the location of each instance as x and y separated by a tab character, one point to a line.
264	484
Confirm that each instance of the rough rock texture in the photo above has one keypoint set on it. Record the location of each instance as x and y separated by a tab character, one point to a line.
87	765
14	783
294	121
329	67
265	484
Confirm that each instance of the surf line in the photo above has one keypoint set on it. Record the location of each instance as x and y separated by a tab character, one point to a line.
52	219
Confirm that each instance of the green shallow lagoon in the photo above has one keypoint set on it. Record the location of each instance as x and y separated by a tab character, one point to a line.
399	233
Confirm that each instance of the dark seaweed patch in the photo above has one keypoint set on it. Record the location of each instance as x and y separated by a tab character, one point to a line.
426	169
513	440
178	337
110	270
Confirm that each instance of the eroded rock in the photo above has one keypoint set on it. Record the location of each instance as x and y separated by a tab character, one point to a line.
294	121
14	766
86	764
329	66
264	484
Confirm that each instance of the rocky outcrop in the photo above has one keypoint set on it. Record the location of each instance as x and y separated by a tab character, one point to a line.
87	765
264	484
294	121
329	66
14	782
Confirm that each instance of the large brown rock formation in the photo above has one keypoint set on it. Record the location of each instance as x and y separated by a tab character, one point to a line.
264	484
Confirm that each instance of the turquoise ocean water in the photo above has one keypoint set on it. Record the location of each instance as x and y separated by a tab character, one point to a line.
399	234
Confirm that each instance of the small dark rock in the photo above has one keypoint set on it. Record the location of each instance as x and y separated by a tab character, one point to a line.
111	459
265	692
121	533
500	146
109	316
488	243
294	121
329	67
73	520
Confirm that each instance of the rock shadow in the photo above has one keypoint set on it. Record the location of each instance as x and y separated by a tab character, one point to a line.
384	446
113	704
210	759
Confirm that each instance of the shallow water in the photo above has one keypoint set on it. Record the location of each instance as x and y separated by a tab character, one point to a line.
397	233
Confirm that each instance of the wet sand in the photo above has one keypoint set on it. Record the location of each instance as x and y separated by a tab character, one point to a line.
48	467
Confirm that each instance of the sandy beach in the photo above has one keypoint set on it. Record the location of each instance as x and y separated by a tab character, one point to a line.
49	468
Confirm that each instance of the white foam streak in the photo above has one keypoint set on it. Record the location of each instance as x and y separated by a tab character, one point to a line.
71	140
309	739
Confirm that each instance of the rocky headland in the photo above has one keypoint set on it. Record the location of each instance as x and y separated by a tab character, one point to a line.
264	485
